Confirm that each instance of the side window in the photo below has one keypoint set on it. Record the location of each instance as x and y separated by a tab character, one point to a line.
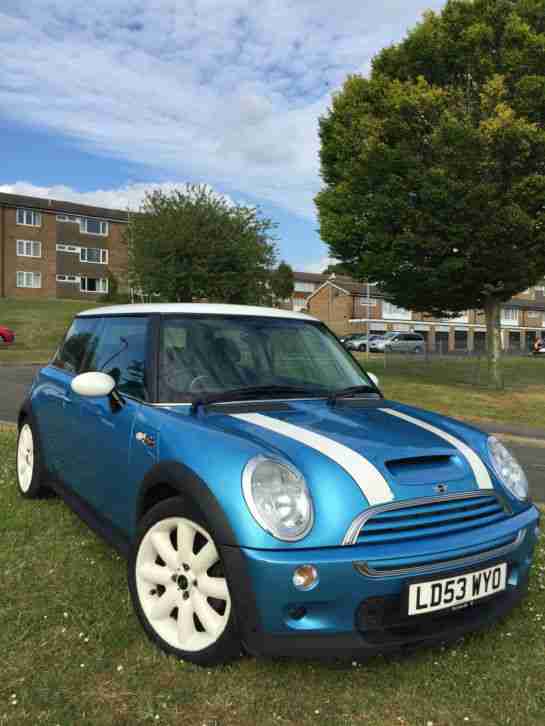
80	342
121	352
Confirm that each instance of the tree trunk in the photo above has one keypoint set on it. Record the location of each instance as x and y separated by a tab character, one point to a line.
492	312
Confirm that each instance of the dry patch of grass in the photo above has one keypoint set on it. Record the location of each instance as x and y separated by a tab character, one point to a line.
73	652
456	387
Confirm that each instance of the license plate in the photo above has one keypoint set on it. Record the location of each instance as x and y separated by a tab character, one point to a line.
427	597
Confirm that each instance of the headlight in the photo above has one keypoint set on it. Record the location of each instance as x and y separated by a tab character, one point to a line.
509	471
278	498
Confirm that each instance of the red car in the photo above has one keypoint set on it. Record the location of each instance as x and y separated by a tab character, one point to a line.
7	336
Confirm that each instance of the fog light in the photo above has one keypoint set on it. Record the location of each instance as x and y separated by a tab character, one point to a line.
537	533
305	577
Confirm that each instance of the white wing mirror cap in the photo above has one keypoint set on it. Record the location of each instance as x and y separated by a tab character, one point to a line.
93	384
373	378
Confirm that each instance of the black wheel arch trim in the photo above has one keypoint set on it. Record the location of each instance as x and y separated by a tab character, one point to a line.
185	481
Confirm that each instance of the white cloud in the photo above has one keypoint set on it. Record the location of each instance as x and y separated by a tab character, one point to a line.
227	92
318	265
129	196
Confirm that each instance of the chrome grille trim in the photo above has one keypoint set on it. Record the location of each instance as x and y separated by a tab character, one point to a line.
365	569
353	532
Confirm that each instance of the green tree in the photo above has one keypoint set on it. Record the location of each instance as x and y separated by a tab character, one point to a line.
434	167
281	282
193	244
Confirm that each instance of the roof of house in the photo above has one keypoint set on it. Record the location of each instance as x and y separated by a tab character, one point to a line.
59	207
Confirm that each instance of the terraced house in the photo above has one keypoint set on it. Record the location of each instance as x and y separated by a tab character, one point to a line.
55	249
347	306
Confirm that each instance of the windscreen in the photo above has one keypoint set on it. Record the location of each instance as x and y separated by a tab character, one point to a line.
215	354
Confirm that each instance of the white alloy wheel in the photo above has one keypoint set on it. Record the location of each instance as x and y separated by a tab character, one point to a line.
25	458
184	601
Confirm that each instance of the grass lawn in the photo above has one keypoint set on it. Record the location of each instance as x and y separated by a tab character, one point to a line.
73	653
38	325
455	386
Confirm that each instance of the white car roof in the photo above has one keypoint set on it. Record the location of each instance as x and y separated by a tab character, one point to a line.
197	309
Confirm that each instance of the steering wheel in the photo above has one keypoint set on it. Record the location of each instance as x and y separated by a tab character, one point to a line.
198	381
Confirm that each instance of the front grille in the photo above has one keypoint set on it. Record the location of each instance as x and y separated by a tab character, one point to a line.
423	535
430	519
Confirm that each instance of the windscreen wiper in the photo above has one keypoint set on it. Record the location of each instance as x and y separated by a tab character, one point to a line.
349	392
240	394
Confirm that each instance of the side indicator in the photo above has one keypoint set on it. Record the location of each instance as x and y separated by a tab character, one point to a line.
146	439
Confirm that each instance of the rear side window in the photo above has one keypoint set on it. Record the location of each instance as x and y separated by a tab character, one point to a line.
121	352
80	342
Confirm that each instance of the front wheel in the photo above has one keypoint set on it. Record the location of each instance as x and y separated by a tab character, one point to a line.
29	464
179	587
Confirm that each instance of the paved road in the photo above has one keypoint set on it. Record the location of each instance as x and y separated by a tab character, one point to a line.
15	380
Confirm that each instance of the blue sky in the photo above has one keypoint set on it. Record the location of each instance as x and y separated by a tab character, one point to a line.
102	100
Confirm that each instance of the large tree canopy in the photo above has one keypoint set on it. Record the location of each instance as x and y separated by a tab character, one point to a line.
193	244
434	167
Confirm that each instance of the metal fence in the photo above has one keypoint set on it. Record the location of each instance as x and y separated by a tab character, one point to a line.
519	370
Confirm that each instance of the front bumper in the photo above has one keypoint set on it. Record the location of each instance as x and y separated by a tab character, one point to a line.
349	614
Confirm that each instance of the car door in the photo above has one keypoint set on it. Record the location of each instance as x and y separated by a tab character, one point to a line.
114	445
397	343
55	416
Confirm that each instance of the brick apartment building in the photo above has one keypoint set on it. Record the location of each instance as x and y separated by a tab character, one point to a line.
347	306
54	249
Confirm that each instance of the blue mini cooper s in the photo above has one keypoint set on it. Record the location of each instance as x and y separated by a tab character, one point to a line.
266	495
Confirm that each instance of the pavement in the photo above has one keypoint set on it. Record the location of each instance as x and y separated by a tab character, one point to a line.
528	444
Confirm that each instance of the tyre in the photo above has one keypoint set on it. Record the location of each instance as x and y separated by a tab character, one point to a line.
179	588
362	348
29	463
418	349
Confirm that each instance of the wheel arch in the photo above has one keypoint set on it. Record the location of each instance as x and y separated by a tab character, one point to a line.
172	478
24	412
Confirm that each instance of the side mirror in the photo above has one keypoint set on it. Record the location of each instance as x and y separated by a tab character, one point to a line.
373	378
93	384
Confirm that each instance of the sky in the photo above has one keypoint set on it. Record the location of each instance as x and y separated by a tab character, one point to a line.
103	100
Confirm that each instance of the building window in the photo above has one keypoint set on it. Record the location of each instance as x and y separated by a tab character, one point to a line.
68	278
510	316
68	218
93	226
29	218
29	279
68	248
28	248
392	311
303	286
94	284
93	254
366	302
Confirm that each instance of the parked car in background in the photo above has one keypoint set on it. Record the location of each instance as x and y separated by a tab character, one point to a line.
345	338
266	495
358	342
539	347
7	336
399	343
